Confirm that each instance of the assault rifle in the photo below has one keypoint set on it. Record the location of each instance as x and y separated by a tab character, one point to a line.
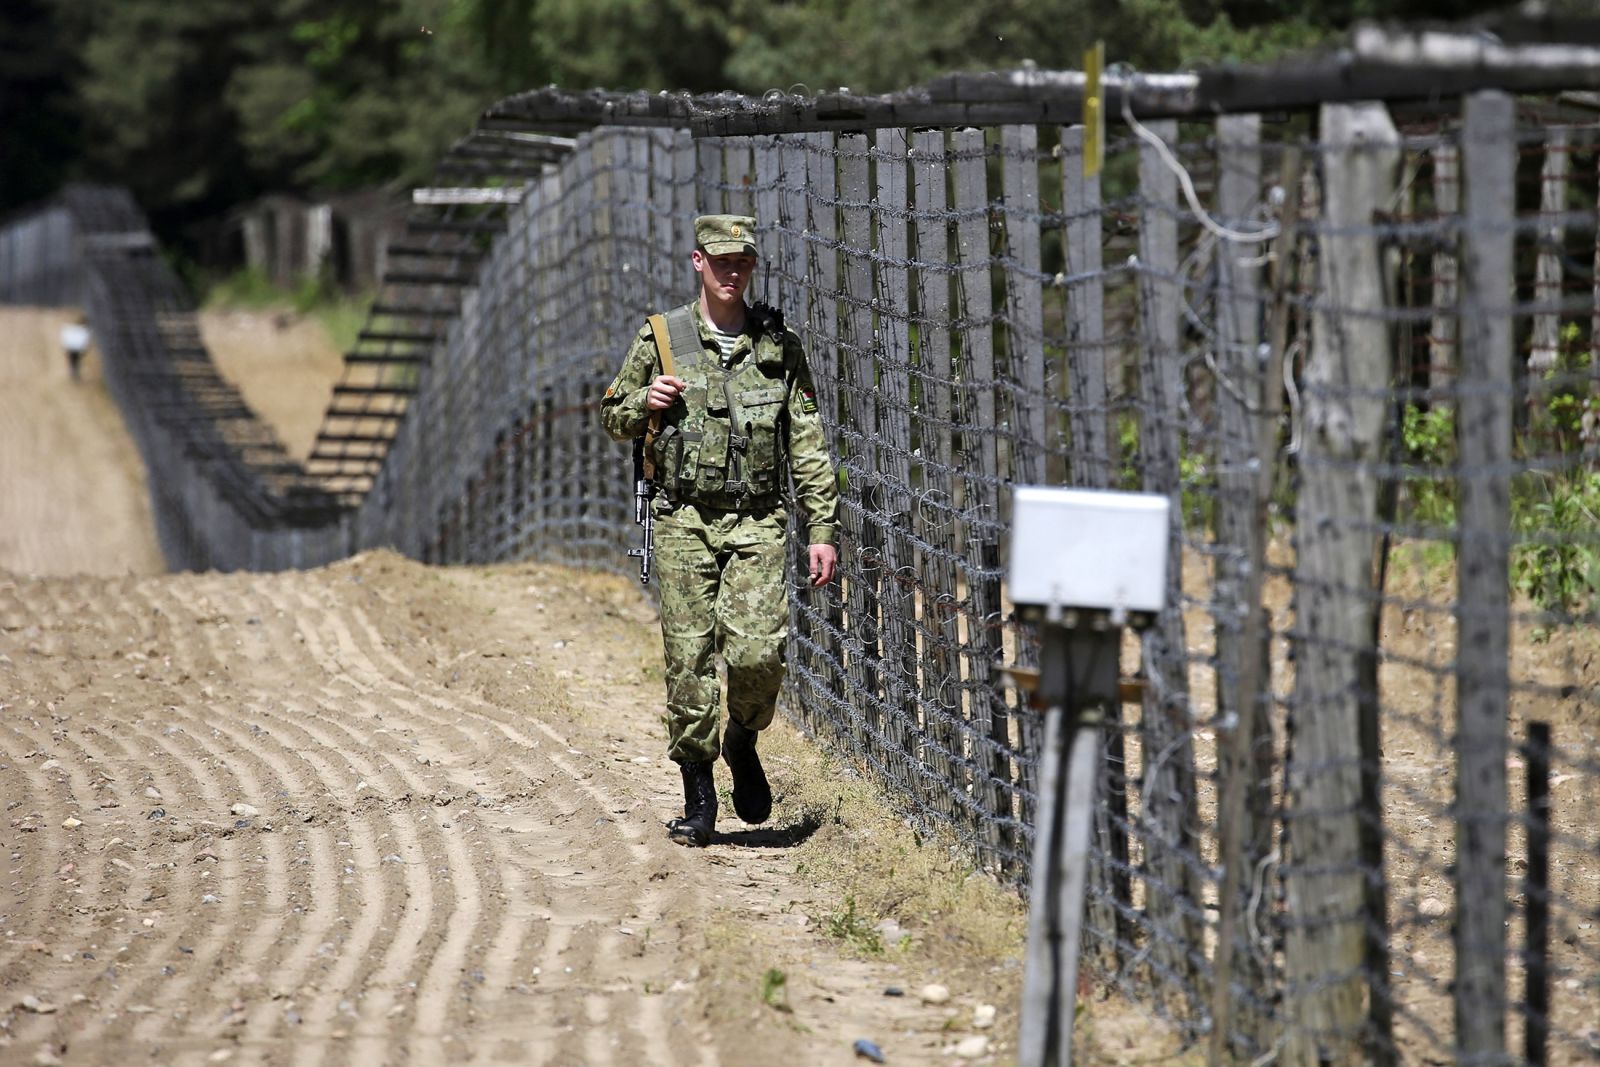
644	472
644	491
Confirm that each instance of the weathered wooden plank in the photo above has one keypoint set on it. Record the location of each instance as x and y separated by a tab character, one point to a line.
1446	203
1087	392
1089	423
1028	403
634	219
739	174
1168	797
765	165
1242	992
1545	345
893	375
791	263
862	519
1342	440
1019	175
933	420
1594	320
710	192
1483	607
666	257
686	192
986	710
820	331
581	259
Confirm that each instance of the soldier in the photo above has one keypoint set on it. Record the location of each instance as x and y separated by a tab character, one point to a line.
738	415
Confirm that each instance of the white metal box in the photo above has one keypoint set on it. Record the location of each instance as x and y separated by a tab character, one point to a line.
1089	549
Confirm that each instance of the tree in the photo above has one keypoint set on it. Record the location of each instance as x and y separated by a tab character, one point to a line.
38	127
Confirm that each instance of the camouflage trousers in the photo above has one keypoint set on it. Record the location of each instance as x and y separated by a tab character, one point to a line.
722	592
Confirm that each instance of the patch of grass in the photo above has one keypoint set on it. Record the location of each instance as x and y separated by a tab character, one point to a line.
864	855
775	990
854	929
339	313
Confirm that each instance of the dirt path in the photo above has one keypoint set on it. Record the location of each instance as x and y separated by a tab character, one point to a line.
72	491
380	813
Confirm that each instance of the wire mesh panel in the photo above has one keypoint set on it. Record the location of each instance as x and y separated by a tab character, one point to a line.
1343	811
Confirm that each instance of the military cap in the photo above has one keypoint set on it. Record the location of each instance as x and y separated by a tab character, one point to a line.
721	235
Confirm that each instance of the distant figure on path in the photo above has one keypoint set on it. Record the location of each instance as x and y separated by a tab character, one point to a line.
75	339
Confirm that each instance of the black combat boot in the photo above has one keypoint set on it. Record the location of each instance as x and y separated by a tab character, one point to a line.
699	805
752	797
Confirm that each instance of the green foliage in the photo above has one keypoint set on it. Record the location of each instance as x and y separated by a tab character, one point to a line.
341	314
203	104
1169	34
854	929
1558	565
1196	479
1429	437
1199	491
775	989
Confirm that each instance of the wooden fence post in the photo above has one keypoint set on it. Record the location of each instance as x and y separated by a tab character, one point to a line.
1029	439
1168	794
1241	996
1344	425
892	355
934	421
1483	435
1446	202
860	517
820	330
987	714
1089	407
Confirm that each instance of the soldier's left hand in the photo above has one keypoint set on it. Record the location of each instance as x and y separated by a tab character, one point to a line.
824	560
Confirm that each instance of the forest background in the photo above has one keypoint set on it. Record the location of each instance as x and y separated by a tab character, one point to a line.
203	105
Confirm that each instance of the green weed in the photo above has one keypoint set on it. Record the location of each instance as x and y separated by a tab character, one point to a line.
775	990
854	929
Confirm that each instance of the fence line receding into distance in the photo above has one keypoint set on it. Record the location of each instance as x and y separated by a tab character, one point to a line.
1357	350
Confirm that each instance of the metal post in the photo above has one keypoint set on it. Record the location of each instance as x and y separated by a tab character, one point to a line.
1536	890
1078	681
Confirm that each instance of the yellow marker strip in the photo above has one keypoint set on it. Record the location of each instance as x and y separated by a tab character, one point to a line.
1094	110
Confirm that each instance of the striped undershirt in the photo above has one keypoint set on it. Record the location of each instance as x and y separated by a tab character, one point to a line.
726	341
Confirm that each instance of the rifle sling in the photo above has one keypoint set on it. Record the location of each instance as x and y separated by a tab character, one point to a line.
658	328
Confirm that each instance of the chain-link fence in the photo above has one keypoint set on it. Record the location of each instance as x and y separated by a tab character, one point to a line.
1355	347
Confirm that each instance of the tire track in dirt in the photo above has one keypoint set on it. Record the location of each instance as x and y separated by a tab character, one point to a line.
536	914
221	908
422	854
179	937
371	897
115	1004
360	658
339	654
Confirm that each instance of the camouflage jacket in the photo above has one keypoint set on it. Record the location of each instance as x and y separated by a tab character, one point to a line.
736	429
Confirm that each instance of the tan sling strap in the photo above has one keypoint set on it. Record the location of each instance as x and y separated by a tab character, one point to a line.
658	329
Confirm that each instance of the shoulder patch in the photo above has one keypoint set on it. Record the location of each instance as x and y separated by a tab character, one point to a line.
808	401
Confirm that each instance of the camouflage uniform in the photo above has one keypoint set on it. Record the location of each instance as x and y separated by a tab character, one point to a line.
722	457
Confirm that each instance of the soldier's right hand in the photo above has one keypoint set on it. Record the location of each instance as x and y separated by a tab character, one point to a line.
664	392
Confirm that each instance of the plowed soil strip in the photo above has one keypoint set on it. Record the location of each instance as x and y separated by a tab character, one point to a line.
372	813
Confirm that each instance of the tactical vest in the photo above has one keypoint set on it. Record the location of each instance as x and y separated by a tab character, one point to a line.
722	448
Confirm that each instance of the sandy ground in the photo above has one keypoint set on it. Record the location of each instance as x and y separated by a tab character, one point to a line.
380	813
72	491
283	364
